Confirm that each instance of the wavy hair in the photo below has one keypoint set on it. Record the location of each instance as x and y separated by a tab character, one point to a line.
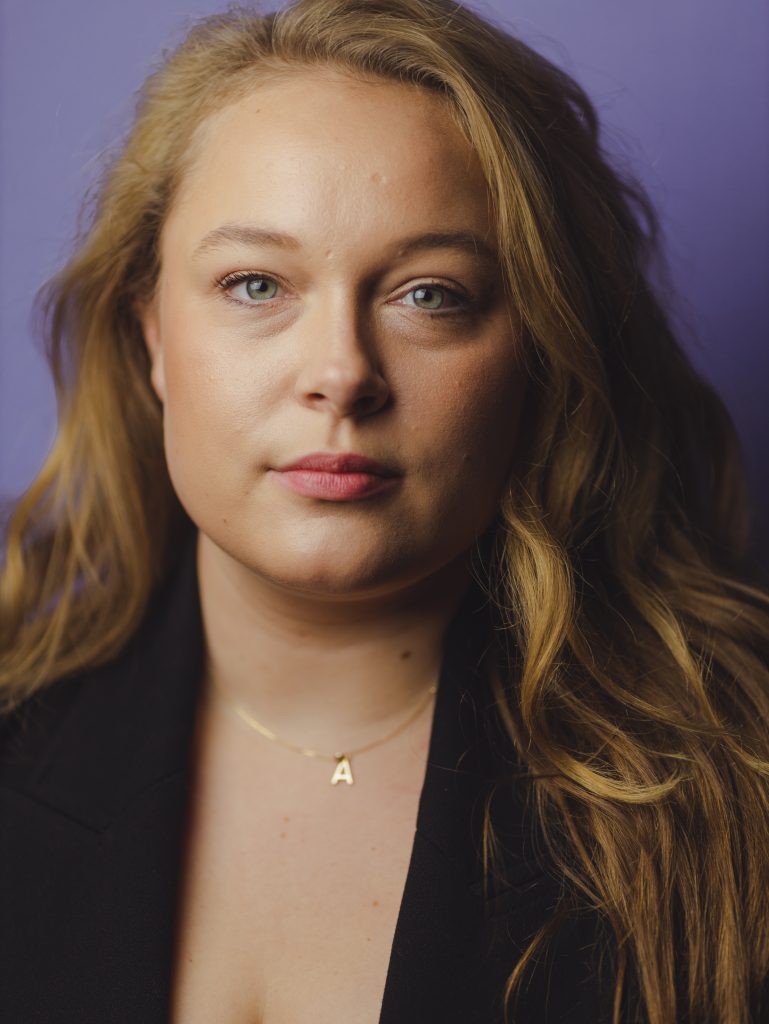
634	682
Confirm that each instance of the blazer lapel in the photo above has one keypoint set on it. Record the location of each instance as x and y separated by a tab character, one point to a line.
456	943
93	790
453	948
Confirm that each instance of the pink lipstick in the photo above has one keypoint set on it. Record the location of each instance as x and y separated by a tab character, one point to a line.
331	476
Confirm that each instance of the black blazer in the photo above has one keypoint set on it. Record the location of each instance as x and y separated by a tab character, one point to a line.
93	793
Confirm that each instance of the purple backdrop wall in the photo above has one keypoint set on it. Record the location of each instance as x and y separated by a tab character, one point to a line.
682	89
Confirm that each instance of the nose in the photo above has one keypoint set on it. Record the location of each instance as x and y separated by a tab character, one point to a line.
339	372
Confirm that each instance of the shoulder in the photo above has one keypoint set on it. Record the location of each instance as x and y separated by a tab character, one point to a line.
28	731
90	739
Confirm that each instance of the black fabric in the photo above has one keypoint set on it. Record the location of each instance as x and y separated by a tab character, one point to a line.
94	789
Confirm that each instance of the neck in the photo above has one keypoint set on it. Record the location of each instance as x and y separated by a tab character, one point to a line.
325	672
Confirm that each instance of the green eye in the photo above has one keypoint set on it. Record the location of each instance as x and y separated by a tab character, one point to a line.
428	297
260	288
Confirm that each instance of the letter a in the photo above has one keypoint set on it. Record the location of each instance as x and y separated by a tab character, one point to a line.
342	772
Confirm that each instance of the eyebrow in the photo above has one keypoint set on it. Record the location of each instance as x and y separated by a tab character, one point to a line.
244	234
466	241
248	235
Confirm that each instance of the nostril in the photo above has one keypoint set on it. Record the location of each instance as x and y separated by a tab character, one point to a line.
368	403
344	388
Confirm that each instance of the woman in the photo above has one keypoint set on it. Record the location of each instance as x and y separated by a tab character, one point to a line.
383	497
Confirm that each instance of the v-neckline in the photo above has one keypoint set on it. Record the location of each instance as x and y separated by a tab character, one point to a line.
99	768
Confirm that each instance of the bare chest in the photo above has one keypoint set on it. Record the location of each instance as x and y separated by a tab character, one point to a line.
292	887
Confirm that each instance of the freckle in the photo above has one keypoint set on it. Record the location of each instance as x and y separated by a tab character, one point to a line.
373	848
282	835
405	655
375	903
286	818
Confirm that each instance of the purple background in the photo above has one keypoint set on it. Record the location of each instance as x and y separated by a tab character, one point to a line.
681	87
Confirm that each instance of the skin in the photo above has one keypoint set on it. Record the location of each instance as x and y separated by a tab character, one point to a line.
326	618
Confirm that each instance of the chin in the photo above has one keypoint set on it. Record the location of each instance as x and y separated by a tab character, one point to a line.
332	560
334	578
337	566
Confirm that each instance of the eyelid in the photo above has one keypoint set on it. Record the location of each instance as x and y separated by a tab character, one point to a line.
463	301
239	276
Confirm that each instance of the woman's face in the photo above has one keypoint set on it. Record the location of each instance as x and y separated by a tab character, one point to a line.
329	289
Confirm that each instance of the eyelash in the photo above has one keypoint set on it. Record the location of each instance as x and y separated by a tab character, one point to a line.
464	304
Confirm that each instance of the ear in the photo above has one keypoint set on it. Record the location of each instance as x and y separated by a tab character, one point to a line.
149	320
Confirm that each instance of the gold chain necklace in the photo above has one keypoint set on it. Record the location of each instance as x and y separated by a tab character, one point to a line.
341	761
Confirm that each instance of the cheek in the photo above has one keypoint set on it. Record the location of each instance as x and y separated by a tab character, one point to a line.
476	410
206	414
213	390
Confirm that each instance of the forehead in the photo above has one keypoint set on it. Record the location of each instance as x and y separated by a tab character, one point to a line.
319	144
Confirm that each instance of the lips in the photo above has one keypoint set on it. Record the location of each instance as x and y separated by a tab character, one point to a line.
332	462
333	476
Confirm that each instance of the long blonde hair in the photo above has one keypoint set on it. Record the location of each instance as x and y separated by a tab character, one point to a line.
635	683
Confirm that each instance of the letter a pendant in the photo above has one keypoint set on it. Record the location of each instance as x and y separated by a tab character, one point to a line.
343	770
